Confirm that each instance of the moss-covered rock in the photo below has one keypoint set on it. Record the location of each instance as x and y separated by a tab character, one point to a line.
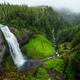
39	47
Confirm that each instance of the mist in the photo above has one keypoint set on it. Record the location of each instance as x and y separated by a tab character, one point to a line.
72	5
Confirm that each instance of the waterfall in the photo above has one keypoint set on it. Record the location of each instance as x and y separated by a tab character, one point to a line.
15	51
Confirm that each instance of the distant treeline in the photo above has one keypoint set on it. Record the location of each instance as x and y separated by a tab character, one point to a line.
37	19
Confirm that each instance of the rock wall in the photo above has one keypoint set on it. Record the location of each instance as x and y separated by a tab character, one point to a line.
2	47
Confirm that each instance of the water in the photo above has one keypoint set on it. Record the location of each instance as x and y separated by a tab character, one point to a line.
15	51
54	41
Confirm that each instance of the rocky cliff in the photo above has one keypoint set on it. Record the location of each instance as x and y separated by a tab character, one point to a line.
2	46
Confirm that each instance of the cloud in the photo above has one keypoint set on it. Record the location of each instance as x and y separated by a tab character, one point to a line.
73	5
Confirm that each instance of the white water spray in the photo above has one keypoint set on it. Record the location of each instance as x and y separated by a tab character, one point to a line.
15	51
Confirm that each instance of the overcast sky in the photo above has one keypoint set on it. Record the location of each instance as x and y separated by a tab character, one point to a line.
73	5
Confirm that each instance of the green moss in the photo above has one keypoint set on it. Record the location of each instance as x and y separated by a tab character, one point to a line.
8	62
55	63
42	74
39	47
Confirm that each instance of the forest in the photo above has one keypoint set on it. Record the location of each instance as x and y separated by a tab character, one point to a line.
49	32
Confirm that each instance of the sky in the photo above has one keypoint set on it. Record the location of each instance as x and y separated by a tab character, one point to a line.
73	5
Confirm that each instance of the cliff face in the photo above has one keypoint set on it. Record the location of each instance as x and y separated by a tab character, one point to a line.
2	47
23	37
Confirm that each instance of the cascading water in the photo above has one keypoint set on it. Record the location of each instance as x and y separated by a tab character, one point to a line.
15	51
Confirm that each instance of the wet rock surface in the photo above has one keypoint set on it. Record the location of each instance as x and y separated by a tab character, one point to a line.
2	47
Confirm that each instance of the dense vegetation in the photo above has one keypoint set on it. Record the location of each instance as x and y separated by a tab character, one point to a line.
37	47
41	21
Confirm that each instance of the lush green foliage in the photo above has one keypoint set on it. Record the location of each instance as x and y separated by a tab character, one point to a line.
8	62
55	63
36	19
43	20
42	74
39	47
